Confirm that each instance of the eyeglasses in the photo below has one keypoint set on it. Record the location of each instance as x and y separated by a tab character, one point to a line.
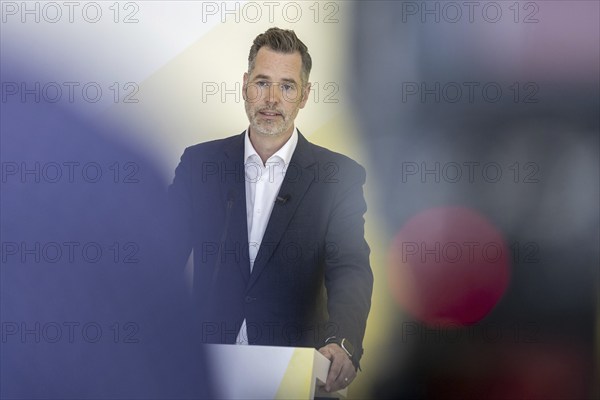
286	87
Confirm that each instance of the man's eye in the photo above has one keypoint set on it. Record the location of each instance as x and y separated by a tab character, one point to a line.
262	83
287	87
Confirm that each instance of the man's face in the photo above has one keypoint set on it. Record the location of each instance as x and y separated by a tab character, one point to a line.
273	92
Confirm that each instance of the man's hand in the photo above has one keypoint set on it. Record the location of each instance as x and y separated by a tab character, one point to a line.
342	371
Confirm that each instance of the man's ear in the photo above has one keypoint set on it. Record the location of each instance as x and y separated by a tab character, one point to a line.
245	85
305	94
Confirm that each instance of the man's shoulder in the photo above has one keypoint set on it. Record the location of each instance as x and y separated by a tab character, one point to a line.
326	157
214	148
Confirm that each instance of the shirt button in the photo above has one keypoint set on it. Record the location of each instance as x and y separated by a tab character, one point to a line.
258	211
249	299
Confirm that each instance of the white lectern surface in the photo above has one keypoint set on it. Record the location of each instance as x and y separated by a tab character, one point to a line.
267	372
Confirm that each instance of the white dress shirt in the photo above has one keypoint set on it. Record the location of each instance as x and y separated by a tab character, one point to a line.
262	186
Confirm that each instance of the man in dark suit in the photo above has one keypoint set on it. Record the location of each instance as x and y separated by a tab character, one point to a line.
276	223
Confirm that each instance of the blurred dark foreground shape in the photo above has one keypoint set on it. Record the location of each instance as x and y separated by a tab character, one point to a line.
91	306
413	65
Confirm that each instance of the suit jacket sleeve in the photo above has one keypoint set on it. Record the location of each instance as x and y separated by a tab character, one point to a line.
348	275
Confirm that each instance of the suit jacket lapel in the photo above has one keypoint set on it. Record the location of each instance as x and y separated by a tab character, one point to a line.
233	190
297	180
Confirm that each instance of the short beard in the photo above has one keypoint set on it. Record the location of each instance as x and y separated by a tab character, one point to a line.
273	132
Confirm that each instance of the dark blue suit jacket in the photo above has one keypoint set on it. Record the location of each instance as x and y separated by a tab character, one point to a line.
311	278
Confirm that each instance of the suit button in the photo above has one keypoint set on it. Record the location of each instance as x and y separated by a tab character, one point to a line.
249	299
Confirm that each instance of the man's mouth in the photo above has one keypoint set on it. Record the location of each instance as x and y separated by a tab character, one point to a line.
269	114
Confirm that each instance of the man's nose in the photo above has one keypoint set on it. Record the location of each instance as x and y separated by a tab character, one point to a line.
274	94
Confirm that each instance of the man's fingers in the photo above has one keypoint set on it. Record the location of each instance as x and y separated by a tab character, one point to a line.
341	371
334	372
336	366
339	380
345	377
325	351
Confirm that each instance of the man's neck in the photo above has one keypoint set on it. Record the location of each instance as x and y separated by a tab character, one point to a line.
266	146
